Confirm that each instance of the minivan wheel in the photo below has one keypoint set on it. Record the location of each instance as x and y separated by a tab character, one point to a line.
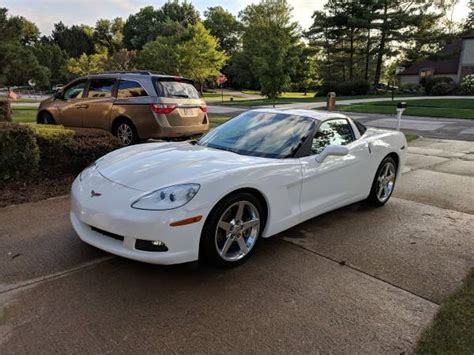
126	133
46	118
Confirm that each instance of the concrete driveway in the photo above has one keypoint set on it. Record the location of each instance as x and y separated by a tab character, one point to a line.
354	280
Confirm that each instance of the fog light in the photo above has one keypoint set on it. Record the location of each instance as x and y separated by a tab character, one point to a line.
150	245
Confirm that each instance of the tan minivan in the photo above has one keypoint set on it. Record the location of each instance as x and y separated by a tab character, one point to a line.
134	106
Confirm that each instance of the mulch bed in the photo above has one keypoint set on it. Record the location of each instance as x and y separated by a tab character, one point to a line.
36	188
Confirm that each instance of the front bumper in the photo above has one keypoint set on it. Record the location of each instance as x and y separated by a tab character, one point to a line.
111	213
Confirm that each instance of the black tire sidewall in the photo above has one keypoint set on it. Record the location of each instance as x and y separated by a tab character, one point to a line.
207	249
373	199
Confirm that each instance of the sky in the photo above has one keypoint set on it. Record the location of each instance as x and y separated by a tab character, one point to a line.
47	12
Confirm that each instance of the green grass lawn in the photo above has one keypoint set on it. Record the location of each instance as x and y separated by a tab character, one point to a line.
216	120
446	108
24	114
452	330
290	98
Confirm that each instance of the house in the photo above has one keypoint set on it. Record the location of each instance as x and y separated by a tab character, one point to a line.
456	60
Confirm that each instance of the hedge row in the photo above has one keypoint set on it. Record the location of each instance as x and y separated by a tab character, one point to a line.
26	149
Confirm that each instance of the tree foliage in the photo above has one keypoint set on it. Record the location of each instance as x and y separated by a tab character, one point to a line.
18	64
193	53
74	40
270	42
149	23
224	26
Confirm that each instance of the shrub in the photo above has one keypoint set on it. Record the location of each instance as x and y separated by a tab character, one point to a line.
443	89
430	83
410	88
5	111
345	88
69	151
467	85
19	154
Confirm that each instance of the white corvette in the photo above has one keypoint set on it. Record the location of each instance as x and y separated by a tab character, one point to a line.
254	176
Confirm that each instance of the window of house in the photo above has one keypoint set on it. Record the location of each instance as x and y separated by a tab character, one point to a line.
426	73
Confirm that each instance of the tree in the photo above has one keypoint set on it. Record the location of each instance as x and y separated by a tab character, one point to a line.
149	23
18	63
74	40
193	54
54	58
269	40
306	74
87	64
224	26
397	21
108	35
469	23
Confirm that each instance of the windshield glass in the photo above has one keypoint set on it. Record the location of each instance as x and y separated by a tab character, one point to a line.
263	134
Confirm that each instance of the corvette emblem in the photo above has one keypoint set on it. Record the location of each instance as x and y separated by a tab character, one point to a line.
95	194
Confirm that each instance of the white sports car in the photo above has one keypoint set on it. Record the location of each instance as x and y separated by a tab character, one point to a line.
254	176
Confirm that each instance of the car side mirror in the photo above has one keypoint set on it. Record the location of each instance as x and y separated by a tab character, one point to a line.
336	149
58	95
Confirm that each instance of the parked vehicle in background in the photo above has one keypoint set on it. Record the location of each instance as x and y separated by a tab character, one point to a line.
134	106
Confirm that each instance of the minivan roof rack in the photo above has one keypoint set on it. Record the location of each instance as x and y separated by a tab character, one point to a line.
140	72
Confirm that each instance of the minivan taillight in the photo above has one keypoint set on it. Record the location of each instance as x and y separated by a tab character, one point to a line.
163	108
203	107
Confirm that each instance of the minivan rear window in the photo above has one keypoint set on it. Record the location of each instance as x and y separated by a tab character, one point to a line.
176	89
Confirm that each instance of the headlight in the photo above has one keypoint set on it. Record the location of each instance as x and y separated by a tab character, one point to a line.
167	198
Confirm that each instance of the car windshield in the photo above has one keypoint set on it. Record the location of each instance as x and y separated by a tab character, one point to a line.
263	134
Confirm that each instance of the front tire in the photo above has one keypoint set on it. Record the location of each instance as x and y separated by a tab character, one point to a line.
232	229
45	118
384	182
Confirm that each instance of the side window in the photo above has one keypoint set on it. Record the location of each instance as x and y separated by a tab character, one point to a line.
332	132
128	89
75	91
101	88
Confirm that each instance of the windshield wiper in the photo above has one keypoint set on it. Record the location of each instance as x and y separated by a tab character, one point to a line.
193	142
181	95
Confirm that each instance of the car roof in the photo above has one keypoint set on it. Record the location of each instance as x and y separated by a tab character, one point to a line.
134	75
314	114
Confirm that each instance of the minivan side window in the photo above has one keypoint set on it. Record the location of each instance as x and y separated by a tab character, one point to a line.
129	88
101	88
332	132
75	91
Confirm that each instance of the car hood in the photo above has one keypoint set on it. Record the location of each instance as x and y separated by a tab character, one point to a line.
150	166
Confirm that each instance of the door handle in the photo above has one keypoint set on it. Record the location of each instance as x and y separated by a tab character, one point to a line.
81	106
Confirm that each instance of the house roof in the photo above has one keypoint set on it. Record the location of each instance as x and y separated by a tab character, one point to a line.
443	62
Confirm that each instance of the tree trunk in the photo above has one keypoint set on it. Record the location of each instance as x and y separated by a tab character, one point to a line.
351	57
367	56
381	51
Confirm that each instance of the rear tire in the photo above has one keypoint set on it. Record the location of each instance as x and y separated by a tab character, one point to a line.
384	182
126	132
232	230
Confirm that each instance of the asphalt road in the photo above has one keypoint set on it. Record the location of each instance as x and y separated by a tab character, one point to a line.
354	280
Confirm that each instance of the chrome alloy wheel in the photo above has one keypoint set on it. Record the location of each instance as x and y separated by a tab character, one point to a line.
386	181
237	231
125	134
